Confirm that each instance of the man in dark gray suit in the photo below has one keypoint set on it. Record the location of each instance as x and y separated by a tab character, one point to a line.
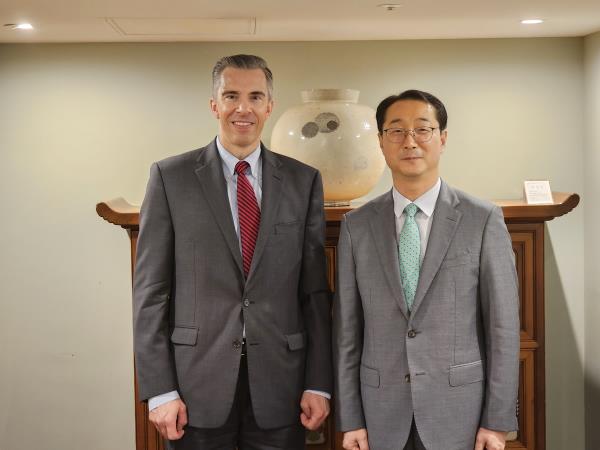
426	325
231	303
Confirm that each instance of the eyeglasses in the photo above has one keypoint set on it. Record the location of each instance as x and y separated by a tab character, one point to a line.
420	134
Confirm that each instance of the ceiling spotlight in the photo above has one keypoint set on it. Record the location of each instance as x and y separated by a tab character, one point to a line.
531	21
390	6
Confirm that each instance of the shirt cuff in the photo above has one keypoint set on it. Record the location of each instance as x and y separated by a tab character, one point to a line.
327	395
155	402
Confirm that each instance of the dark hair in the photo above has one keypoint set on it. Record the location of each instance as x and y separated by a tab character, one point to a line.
440	110
247	62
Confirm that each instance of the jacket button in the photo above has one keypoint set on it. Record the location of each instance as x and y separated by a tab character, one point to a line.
246	302
412	333
237	344
407	378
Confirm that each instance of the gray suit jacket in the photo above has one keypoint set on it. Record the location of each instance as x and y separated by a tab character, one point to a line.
191	300
453	362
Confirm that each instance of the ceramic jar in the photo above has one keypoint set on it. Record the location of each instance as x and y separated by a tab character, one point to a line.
334	134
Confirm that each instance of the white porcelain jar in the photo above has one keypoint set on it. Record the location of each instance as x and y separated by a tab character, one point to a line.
334	134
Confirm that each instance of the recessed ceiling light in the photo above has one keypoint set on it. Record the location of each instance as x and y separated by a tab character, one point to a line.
390	6
531	21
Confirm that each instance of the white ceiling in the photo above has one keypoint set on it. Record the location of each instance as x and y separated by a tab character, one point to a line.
287	20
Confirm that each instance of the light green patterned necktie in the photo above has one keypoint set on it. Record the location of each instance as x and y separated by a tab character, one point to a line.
409	251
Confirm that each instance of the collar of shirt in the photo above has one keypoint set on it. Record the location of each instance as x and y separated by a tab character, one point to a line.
229	161
425	202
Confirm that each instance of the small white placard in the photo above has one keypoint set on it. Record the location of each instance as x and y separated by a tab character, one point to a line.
537	192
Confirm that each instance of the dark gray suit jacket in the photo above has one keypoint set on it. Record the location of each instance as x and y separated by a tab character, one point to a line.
452	363
191	300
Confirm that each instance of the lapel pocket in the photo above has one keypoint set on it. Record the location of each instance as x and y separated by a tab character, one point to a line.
369	376
185	336
462	374
296	341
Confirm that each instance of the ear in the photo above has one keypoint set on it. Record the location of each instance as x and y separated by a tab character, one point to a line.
444	138
270	105
214	108
380	137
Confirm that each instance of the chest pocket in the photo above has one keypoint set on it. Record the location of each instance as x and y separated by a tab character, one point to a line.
287	227
460	260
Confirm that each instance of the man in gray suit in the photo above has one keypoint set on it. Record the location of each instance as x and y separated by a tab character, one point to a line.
231	302
426	326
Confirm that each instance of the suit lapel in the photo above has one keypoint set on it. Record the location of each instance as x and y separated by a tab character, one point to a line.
210	175
383	230
445	221
271	193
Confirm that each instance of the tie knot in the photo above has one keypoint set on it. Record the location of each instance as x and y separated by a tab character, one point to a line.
241	167
411	209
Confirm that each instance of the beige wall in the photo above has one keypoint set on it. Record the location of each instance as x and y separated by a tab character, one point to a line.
82	123
592	239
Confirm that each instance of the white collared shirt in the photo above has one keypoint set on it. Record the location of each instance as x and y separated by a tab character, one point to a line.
426	204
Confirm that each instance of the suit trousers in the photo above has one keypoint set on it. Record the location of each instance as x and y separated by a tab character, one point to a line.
240	430
414	441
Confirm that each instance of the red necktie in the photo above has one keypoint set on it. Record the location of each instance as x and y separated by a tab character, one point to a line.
248	213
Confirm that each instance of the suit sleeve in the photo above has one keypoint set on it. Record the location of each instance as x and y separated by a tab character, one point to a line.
151	292
500	313
348	325
316	297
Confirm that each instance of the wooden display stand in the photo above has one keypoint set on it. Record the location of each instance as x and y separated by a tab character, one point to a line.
526	227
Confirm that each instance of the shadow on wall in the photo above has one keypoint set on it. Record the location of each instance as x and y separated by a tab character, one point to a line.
564	366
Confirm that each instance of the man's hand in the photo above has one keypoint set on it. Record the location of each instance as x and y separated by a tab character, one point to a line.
356	440
490	439
315	409
169	419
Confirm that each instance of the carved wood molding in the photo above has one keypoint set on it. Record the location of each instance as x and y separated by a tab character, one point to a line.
519	211
120	212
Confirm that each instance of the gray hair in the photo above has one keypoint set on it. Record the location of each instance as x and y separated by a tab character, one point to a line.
247	62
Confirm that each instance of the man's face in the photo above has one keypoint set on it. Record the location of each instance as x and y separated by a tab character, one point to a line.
410	160
242	105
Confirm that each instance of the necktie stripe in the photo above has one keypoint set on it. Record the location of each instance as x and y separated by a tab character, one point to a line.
249	226
248	215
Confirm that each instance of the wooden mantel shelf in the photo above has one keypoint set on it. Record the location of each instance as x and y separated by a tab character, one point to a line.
119	212
518	210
